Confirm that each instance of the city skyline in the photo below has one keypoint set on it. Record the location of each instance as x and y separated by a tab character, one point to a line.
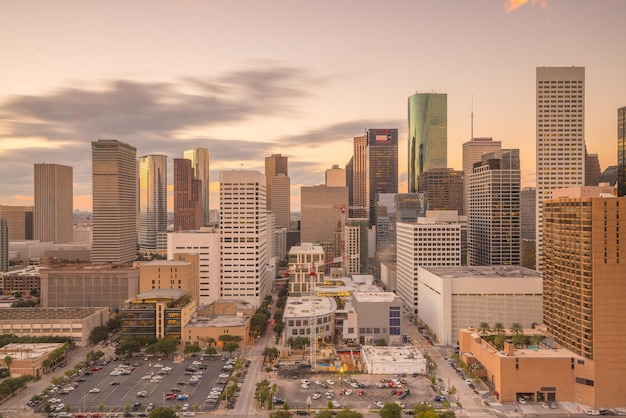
289	89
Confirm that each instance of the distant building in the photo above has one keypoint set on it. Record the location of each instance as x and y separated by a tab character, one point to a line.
473	150
54	203
528	197
153	204
428	135
355	242
281	200
621	151
392	208
115	193
187	197
19	221
199	158
592	169
443	189
322	210
202	329
29	359
4	245
275	164
335	177
300	310
179	273
22	281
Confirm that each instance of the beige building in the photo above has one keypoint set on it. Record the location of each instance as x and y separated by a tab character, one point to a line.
29	359
281	200
303	260
54	203
321	212
336	177
180	273
88	286
202	329
35	322
19	220
227	307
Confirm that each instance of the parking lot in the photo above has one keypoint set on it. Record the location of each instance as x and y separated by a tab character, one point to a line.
134	387
355	392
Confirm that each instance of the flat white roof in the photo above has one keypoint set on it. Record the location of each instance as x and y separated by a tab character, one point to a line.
457	272
302	306
374	296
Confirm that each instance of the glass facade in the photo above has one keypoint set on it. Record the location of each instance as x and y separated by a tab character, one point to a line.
428	135
381	166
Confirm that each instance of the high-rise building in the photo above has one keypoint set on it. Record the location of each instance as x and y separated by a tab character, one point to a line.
560	136
592	169
494	210
434	240
306	268
244	245
584	288
355	247
473	150
528	196
153	204
114	180
359	178
322	210
4	245
443	189
281	200
274	165
392	208
382	166
336	177
428	135
621	151
187	196
54	203
19	220
199	158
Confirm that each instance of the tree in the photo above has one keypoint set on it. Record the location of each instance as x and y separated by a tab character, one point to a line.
262	392
225	338
498	328
280	414
98	334
270	352
483	328
230	347
324	414
348	413
211	351
536	339
516	328
8	360
191	348
390	410
162	412
114	323
519	340
499	340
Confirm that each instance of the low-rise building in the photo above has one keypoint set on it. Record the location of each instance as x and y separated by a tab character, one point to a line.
202	329
388	360
29	359
76	323
378	317
300	310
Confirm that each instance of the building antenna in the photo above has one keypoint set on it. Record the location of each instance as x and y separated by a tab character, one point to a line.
472	119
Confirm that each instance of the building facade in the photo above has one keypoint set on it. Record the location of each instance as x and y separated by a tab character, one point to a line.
281	200
19	221
473	150
306	268
114	182
560	136
621	151
443	189
322	210
4	245
275	164
335	177
54	203
179	273
381	167
379	317
428	135
153	204
199	158
188	213
244	247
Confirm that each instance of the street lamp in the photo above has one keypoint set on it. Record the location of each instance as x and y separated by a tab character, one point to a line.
341	375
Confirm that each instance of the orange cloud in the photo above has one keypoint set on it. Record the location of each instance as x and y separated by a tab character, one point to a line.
511	5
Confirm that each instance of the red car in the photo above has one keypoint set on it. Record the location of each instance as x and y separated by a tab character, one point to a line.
95	369
170	398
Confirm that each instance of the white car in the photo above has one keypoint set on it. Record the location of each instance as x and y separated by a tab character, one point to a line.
196	363
185	407
189	414
348	392
166	369
60	407
316	395
317	382
54	400
522	401
146	377
379	404
305	385
94	390
592	412
158	365
305	382
330	382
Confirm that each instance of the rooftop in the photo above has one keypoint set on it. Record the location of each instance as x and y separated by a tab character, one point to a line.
159	294
374	296
218	321
35	314
303	306
392	353
166	263
456	272
30	351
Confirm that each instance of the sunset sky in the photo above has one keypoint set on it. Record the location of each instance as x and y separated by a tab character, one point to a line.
249	78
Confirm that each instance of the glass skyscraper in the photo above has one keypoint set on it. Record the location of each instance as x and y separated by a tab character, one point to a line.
428	135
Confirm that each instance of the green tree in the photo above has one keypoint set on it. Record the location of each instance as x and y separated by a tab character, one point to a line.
324	414
162	412
348	413
230	347
498	328
381	342
516	328
225	338
499	340
114	323
211	351
421	408
390	410
483	328
536	339
98	334
519	340
192	348
270	352
7	361
262	392
280	414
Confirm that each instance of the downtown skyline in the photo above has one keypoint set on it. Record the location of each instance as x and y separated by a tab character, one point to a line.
247	81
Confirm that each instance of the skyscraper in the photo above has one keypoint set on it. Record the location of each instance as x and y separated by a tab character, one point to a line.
19	220
199	158
153	203
54	203
321	213
621	151
494	210
187	196
560	136
584	288
114	171
443	189
244	245
359	178
382	166
472	152
428	135
4	245
274	165
281	200
335	177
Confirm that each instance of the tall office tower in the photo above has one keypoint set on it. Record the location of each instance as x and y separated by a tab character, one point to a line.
355	244
473	150
560	136
281	200
592	169
428	135
350	182
321	212
359	178
528	196
187	196
244	244
200	162
114	180
274	165
153	203
206	243
382	166
54	203
4	245
443	189
335	177
494	210
19	220
584	288
392	208
434	240
621	151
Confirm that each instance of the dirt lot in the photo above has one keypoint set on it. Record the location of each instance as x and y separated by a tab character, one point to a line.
295	395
